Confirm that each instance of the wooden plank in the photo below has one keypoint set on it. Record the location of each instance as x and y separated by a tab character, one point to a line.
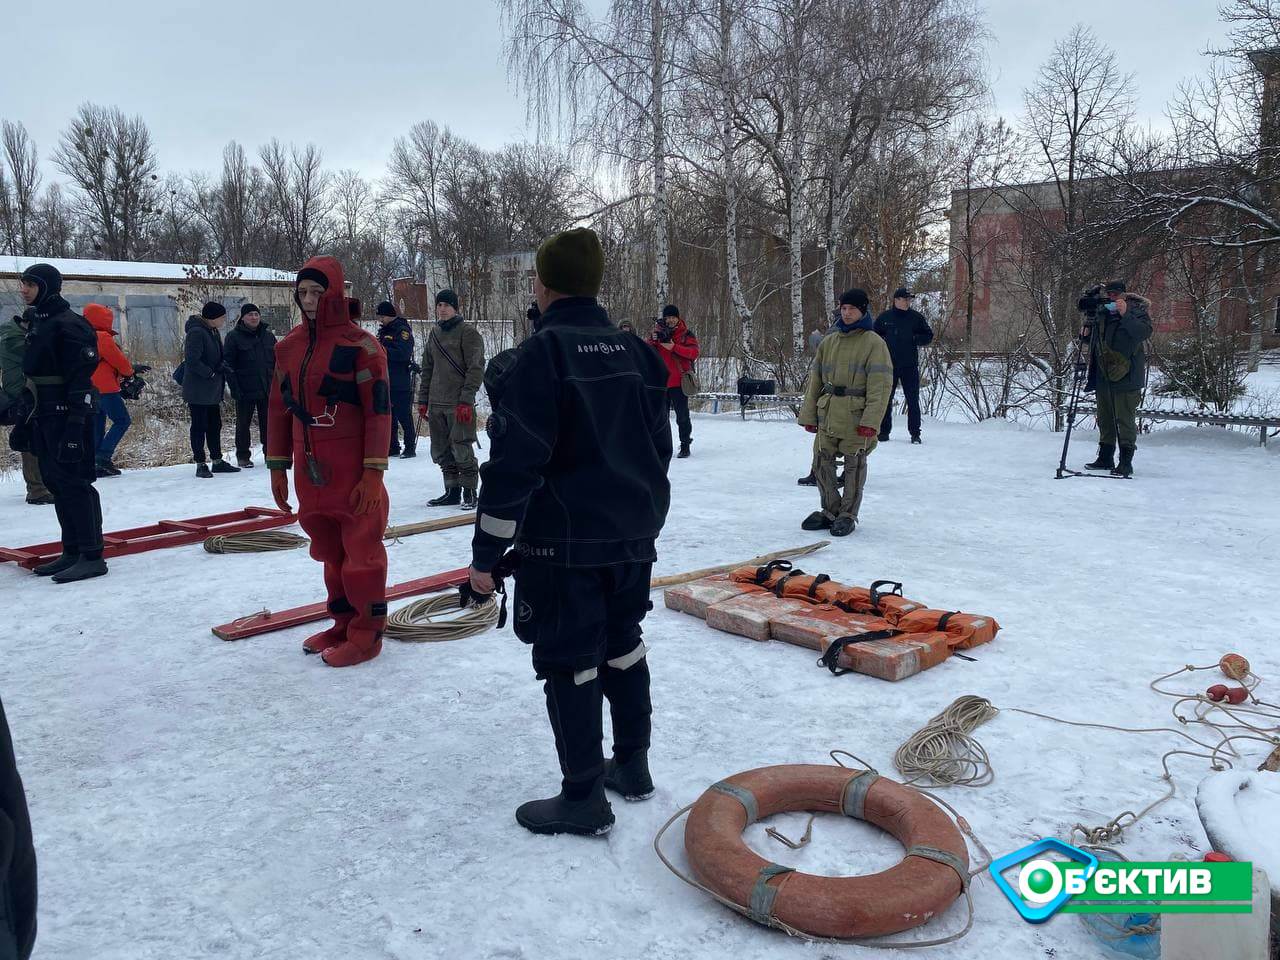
183	526
429	526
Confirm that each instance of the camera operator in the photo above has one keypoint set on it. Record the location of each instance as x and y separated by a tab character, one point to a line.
678	348
1117	323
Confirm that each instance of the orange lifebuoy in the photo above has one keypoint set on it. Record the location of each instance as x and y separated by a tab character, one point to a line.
932	875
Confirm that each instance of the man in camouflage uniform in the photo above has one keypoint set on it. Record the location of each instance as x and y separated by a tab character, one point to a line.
452	371
844	401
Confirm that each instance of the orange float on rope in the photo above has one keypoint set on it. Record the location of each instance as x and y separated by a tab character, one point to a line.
1234	666
932	875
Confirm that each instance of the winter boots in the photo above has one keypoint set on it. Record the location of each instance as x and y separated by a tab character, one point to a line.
105	468
585	812
1106	458
816	521
1125	467
631	778
809	481
202	471
85	568
451	497
843	526
915	438
343	613
468	499
684	451
360	645
244	463
409	454
221	466
64	562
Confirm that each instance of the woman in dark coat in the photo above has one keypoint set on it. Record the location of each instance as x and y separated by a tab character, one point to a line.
203	384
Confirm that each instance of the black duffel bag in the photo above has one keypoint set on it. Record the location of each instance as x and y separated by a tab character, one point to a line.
750	387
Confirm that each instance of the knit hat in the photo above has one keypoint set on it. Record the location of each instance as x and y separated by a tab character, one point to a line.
670	310
46	277
248	308
213	310
385	309
311	273
902	293
855	298
572	263
1115	286
447	296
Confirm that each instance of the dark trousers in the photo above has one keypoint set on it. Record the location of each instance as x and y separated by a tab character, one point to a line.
909	377
584	626
206	428
402	421
678	402
74	496
111	407
245	410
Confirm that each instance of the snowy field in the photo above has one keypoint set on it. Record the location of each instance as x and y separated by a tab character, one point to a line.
195	798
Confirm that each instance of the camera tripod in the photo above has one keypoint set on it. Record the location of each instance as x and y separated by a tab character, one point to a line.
1079	375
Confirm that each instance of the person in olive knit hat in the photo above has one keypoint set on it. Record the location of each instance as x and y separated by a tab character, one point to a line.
452	371
577	479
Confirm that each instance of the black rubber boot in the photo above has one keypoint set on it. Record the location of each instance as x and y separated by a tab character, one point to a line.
630	779
451	497
83	569
1106	458
1125	467
64	562
816	521
202	470
221	466
631	709
588	816
468	499
843	526
809	481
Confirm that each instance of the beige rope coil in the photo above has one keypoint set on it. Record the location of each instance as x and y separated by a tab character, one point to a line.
266	541
422	620
944	751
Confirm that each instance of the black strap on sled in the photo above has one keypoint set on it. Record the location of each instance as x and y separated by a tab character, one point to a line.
818	581
764	573
782	581
831	656
876	593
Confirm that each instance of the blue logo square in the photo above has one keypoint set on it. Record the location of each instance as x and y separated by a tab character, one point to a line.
1039	912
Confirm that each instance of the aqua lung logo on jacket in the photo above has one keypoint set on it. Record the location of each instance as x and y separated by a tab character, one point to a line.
1054	877
601	348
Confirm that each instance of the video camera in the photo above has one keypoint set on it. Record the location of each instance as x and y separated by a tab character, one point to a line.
661	332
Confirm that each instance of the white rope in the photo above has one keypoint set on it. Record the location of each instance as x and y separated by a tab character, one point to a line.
423	622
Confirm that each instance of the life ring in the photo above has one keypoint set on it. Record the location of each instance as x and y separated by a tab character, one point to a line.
932	875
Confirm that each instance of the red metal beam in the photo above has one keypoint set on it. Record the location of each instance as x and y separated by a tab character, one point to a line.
161	535
269	622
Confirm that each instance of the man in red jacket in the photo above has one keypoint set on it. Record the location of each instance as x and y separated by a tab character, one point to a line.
330	410
678	348
112	365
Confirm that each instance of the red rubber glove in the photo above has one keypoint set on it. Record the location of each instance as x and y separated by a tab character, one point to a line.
280	489
867	432
422	410
368	493
464	413
809	428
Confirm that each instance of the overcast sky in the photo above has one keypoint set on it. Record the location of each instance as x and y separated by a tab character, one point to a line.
352	76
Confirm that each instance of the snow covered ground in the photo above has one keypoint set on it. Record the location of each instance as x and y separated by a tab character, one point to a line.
195	798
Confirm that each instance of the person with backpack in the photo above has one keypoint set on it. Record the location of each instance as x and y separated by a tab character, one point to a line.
203	385
16	401
678	348
112	366
250	353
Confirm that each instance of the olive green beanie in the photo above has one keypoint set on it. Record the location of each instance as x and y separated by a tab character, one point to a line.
572	263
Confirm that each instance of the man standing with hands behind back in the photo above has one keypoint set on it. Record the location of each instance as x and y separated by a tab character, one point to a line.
905	331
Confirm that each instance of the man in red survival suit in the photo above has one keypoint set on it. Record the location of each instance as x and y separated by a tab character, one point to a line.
330	412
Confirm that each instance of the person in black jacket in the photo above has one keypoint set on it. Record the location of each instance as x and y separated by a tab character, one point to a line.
203	384
249	351
61	357
577	479
396	337
17	857
905	331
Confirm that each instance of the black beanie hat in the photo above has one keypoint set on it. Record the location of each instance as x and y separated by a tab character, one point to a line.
213	310
670	310
855	298
249	308
311	273
1115	286
572	263
46	277
447	296
385	309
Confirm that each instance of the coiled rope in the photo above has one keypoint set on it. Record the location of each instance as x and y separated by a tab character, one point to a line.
423	622
944	750
265	542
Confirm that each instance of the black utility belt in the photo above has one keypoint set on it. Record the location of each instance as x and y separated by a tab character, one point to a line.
838	391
